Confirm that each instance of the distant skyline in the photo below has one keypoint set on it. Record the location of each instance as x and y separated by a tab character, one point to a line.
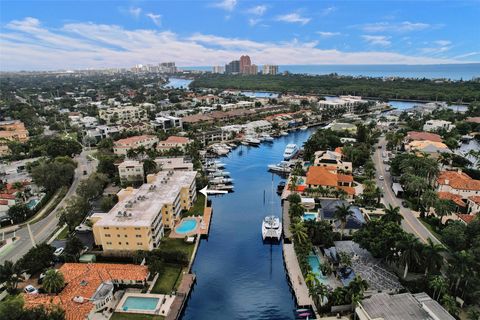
52	35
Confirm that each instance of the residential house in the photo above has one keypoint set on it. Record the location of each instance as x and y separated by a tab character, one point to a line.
13	130
355	220
332	158
422	136
167	122
173	163
125	114
435	125
89	288
458	182
432	148
327	177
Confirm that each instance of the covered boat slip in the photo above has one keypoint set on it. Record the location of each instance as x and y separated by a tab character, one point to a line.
296	278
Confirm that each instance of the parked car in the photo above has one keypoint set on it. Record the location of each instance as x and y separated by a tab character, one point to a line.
59	251
30	289
380	178
83	228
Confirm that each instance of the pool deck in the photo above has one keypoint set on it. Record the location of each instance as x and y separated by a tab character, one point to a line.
207	218
174	234
163	307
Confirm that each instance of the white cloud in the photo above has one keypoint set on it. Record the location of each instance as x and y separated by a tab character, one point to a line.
29	45
436	47
293	17
469	54
327	11
405	26
156	18
443	43
227	5
257	10
253	21
383	41
327	34
135	11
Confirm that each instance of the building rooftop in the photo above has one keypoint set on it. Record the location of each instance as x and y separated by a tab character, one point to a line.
176	139
132	140
141	206
453	197
87	281
417	135
404	306
458	180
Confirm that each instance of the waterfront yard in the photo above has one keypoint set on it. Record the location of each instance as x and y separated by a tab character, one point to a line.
135	316
172	244
197	208
168	279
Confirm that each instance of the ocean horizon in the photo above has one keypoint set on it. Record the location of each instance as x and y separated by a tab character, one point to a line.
467	71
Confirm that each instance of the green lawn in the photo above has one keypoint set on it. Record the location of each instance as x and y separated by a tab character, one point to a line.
63	235
197	208
171	244
168	280
135	316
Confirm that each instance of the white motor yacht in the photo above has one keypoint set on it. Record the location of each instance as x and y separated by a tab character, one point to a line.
290	151
282	167
252	141
221	180
271	228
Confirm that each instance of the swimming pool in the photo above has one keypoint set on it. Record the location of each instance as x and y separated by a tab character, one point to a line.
140	303
310	216
186	226
32	203
314	263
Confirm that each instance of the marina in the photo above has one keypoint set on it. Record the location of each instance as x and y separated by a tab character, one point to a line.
237	273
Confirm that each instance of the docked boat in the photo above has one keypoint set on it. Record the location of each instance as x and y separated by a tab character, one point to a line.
290	151
271	228
266	137
214	164
252	141
280	187
225	187
221	180
219	173
283	133
282	167
303	128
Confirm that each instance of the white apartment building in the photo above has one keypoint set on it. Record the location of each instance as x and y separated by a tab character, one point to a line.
218	69
131	171
435	125
347	102
122	146
167	122
173	163
270	69
125	114
173	142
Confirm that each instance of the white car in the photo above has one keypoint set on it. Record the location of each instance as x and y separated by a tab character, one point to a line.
380	178
59	251
30	289
83	228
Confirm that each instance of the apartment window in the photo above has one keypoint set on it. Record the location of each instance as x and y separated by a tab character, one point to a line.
107	235
119	243
118	236
109	243
126	243
137	228
139	243
106	228
126	236
138	235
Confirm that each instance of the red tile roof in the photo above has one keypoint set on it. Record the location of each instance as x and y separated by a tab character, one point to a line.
176	139
453	197
132	140
322	176
473	119
467	218
458	180
417	135
475	199
83	280
7	196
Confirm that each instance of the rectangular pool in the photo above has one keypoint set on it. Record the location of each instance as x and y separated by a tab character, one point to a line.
310	216
140	303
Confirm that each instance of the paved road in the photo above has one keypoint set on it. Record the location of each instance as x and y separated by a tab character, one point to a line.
44	228
410	222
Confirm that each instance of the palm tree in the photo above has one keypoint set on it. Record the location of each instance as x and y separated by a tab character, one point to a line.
438	285
432	256
429	198
299	232
409	248
342	213
345	259
473	314
444	207
9	274
357	286
53	281
321	291
449	303
392	214
293	183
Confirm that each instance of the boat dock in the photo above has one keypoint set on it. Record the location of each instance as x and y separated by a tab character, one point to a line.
287	234
181	296
207	218
295	276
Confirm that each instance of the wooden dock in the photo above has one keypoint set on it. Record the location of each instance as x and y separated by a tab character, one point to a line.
181	297
287	234
295	276
207	218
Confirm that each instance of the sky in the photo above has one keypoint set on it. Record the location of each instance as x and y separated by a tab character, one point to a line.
54	35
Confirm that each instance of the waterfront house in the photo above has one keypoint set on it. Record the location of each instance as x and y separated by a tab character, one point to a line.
327	177
89	288
332	158
422	136
458	182
435	125
327	212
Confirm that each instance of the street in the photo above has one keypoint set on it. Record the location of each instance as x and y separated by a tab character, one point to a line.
410	222
44	228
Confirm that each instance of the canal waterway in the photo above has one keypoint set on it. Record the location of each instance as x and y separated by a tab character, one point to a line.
238	276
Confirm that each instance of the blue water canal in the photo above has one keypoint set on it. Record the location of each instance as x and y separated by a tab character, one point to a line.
238	276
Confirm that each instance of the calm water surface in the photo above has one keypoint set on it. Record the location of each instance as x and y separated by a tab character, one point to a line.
239	277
